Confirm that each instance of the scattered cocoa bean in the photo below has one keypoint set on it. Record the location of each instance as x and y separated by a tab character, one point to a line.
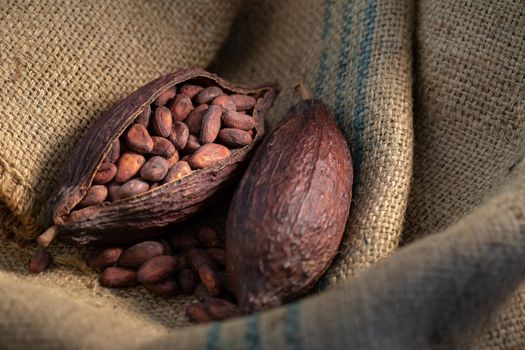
139	253
207	275
114	152
157	268
162	122
128	165
39	261
243	102
105	173
187	281
238	120
208	155
95	195
234	138
164	288
118	277
197	313
220	309
105	258
201	293
211	124
155	169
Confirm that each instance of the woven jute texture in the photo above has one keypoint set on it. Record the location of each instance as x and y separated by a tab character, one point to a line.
431	98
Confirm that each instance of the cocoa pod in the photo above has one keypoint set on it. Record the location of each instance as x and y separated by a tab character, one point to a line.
132	188
234	137
208	237
220	309
145	215
139	253
105	258
144	116
300	192
95	195
39	261
181	107
187	281
113	153
238	120
242	102
182	241
155	169
208	94
208	155
162	147
164	288
194	119
178	171
179	135
224	102
190	90
118	277
197	313
105	173
162	122
157	268
211	124
128	165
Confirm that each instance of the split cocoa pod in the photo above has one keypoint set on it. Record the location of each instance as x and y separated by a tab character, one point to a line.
289	211
158	157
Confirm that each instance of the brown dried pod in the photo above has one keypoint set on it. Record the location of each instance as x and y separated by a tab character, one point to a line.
118	277
145	215
105	258
208	155
197	313
289	212
113	153
234	137
157	268
179	135
243	102
39	261
238	120
141	252
194	119
164	288
144	116
105	173
162	122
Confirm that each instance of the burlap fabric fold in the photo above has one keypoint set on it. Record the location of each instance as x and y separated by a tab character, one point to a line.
431	98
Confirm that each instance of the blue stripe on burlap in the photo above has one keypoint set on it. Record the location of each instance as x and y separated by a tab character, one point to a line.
213	337
327	24
292	327
252	335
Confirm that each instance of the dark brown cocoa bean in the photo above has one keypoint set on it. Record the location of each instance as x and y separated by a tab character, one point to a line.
181	107
162	147
208	155
187	281
220	309
155	169
138	139
237	120
218	255
201	293
105	258
225	102
192	145
144	116
184	260
39	261
118	277
105	173
128	165
178	171
162	122
179	135
243	102
95	195
167	247
114	152
132	188
208	237
194	119
197	313
141	252
190	90
211	124
113	191
208	94
157	268
165	97
182	241
207	275
234	138
164	288
171	161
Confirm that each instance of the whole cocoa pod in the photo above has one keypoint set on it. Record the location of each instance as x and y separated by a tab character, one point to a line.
289	212
118	220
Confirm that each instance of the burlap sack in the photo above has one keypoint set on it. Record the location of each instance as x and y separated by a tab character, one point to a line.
64	63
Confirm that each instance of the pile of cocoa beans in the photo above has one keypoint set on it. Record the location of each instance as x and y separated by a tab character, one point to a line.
186	128
178	263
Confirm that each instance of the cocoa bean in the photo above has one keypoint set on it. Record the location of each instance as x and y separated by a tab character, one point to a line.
197	313
155	169
157	268
139	253
194	119
167	247
144	116
201	293
218	255
211	124
118	277
192	145
208	155
138	139
207	275
105	258
132	188
208	94
164	288
190	90
237	120
243	102
128	165
220	309
113	191
181	107
178	171
162	122
179	135
224	102
105	173
95	195
208	237
187	281
184	260
39	261
182	241
234	138
113	153
165	97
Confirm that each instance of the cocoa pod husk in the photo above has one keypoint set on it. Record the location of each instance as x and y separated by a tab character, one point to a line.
300	192
146	215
